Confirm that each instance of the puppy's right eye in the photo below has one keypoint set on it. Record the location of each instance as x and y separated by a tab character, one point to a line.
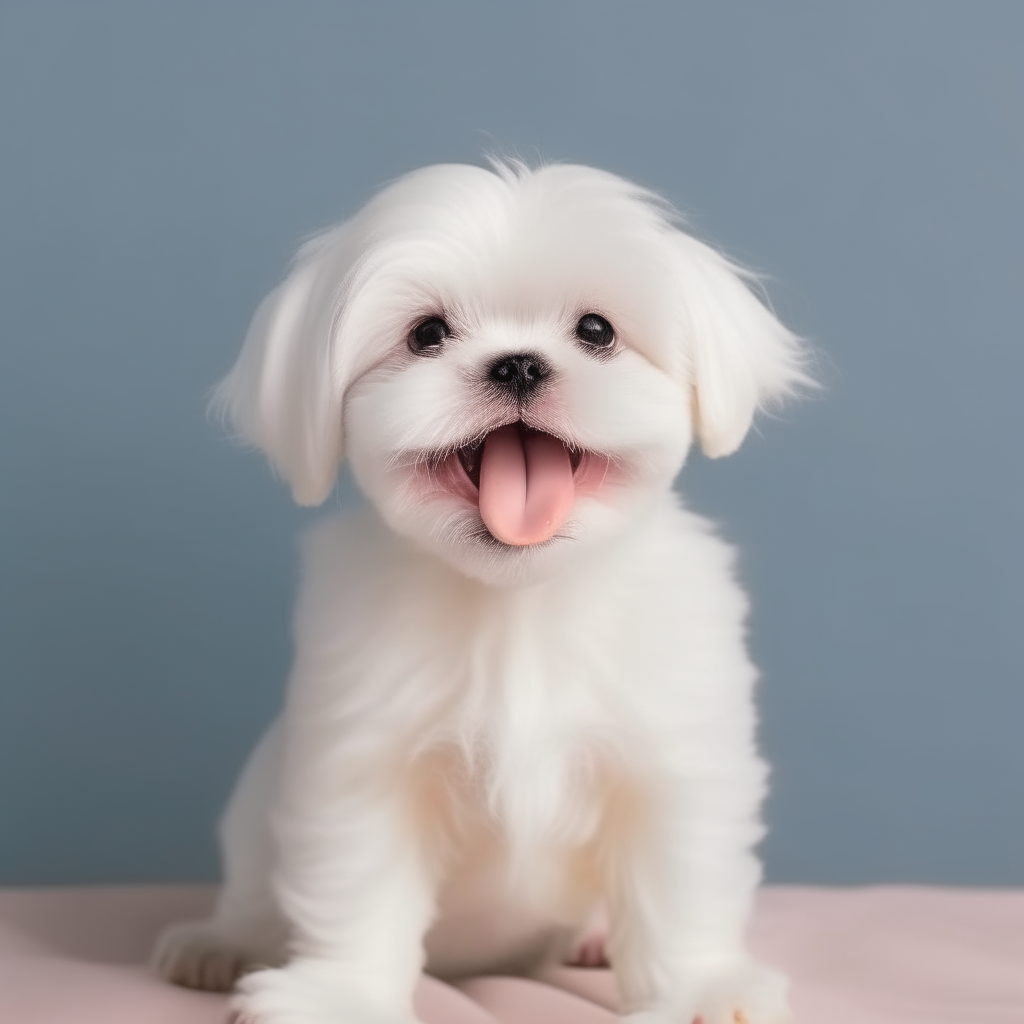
430	335
595	332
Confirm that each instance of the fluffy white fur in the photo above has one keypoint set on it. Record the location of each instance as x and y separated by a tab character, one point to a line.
482	742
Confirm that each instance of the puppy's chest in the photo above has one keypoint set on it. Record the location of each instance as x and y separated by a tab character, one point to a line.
535	713
526	700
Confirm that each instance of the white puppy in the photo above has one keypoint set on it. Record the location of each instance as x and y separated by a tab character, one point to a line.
520	685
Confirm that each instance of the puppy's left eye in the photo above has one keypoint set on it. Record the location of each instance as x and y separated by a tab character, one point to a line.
430	335
594	331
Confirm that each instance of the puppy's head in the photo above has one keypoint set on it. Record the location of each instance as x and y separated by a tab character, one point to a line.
514	361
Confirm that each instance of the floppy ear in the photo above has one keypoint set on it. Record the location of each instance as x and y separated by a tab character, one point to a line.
284	393
741	358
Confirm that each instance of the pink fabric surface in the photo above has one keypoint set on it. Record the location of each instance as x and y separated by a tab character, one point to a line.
886	955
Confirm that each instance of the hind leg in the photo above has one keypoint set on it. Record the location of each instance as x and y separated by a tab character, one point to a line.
246	929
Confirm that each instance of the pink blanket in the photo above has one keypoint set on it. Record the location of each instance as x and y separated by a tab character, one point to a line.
856	956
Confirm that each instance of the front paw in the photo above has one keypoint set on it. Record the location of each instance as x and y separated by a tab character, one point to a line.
200	954
746	993
315	992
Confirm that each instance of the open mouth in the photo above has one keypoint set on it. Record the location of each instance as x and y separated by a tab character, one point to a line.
471	455
525	482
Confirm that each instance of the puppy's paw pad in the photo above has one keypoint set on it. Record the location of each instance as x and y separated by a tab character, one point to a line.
196	955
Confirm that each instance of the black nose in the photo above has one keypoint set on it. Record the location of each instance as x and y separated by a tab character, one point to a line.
520	374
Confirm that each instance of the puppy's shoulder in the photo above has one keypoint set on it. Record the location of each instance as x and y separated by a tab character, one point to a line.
678	563
359	580
353	555
345	540
678	538
343	554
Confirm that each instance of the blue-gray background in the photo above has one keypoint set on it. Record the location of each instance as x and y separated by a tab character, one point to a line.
160	161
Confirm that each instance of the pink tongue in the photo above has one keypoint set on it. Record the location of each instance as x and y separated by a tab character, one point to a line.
526	486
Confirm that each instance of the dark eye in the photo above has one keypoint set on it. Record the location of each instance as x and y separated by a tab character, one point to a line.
595	331
429	335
